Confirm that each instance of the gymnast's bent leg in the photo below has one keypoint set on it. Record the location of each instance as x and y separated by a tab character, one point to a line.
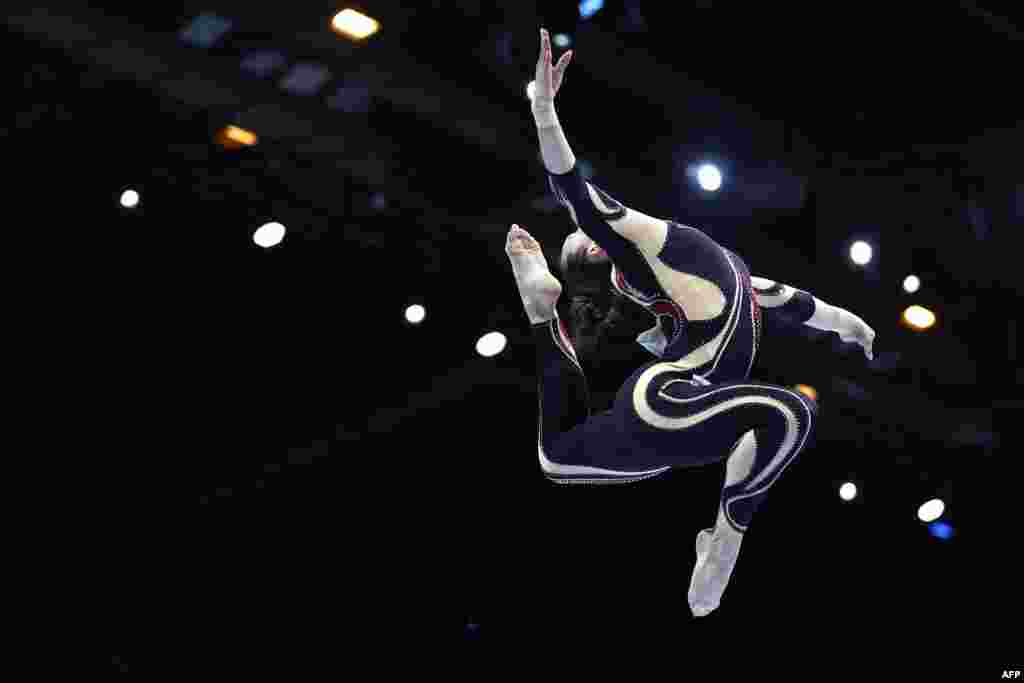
754	463
663	417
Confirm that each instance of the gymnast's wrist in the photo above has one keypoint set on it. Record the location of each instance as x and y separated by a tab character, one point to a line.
848	322
544	114
825	317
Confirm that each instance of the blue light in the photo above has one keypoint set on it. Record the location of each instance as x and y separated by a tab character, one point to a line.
589	8
941	530
205	30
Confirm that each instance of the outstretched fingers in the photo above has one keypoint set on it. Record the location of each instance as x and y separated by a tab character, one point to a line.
558	73
563	62
544	73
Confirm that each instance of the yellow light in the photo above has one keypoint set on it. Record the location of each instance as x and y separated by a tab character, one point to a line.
918	317
808	391
233	137
355	25
241	136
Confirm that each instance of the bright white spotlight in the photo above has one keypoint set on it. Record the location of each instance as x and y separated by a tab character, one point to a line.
918	317
531	88
269	235
415	314
860	253
129	199
911	284
848	491
561	40
491	344
709	177
931	511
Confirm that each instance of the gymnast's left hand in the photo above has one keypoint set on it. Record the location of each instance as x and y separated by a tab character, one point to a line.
861	333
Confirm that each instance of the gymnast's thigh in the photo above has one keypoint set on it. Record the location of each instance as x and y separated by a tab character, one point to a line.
626	438
678	422
662	418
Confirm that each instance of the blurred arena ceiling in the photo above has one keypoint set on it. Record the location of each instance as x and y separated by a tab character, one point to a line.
850	100
786	93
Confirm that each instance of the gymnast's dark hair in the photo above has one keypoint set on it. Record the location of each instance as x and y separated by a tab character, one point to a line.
595	311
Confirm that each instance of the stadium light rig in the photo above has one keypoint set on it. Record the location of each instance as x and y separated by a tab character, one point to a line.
354	24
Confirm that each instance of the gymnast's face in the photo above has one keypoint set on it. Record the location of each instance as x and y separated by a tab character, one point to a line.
584	248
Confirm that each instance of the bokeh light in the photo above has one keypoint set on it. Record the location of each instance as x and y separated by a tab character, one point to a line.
861	253
918	317
491	344
129	199
269	235
931	511
709	177
415	314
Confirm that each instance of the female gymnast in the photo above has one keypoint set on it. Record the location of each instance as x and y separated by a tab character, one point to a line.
694	405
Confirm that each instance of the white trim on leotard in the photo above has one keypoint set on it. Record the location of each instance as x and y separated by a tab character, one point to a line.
555	468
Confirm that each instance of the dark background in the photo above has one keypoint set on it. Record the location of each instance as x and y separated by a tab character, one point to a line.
294	473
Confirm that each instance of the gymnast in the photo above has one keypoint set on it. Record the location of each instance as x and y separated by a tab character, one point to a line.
694	404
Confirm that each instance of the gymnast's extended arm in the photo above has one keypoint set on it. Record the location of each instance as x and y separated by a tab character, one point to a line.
619	230
781	303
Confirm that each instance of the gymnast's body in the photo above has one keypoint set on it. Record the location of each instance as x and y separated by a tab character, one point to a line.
695	403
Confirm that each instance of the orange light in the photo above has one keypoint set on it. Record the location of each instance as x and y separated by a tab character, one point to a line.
234	138
354	25
808	391
918	317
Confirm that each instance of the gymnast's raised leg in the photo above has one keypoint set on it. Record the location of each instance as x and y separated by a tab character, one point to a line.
565	422
561	384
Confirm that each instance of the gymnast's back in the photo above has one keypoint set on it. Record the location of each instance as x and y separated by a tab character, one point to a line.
708	318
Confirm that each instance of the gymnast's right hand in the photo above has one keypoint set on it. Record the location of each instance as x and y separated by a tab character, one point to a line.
548	78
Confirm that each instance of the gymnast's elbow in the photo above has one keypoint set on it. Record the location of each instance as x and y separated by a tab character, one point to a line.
646	232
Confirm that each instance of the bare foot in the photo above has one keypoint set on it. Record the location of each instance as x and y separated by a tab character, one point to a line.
538	288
